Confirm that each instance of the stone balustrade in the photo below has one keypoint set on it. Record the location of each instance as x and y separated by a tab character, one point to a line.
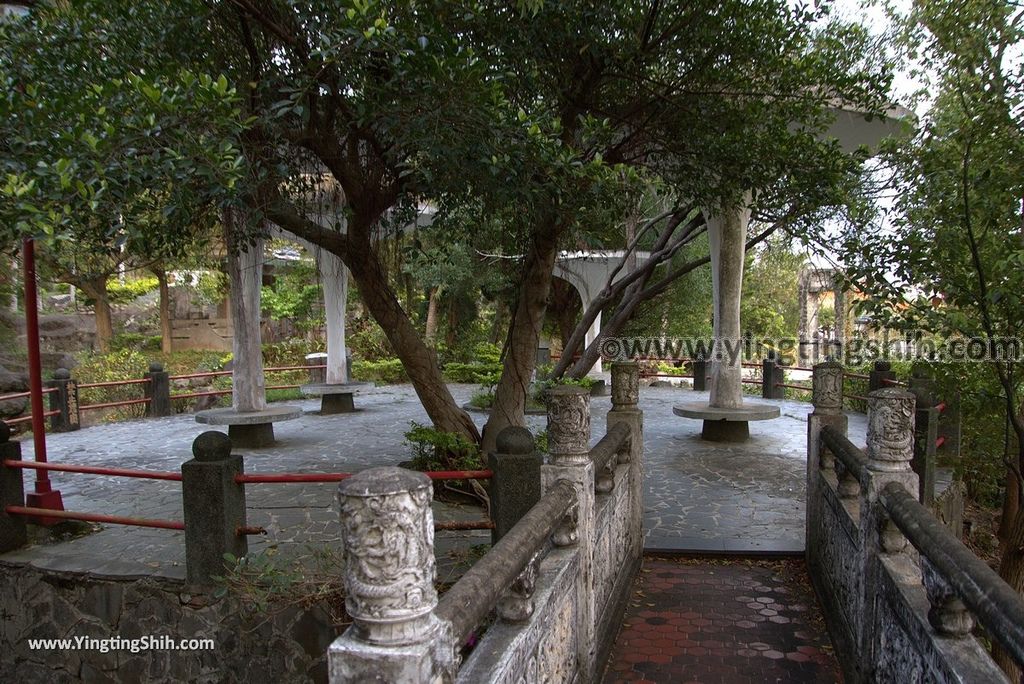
899	590
557	581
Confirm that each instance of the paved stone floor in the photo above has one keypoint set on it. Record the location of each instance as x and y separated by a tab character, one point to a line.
728	622
698	496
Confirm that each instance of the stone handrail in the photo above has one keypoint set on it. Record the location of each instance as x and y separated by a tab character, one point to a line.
843	449
609	446
476	593
890	611
997	606
559	577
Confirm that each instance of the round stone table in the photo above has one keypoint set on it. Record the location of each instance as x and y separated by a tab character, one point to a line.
249	429
726	424
335	397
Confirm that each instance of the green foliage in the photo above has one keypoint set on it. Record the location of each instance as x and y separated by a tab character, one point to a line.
540	388
434	449
294	295
130	290
146	343
484	399
481	373
268	583
386	371
123	364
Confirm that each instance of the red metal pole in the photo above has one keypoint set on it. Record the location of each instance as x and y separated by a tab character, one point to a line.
44	495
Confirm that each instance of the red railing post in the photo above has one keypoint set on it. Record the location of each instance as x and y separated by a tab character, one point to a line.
44	495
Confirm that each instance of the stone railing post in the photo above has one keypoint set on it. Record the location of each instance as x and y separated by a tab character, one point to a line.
317	376
158	391
214	507
515	486
625	409
890	449
827	396
12	493
880	373
926	432
569	446
771	376
388	535
64	400
700	375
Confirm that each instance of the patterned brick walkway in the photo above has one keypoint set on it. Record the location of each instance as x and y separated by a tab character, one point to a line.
712	621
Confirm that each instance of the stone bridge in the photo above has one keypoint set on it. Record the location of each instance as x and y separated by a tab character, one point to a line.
901	595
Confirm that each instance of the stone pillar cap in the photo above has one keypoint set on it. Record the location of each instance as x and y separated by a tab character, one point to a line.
514	440
382	481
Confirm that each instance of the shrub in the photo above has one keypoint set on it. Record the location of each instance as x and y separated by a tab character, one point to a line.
434	449
481	373
130	290
386	371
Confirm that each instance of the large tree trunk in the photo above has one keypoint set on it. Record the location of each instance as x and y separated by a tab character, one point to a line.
565	305
521	354
430	330
165	310
419	360
96	289
1011	569
245	270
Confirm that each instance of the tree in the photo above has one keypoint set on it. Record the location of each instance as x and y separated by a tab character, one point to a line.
949	261
402	101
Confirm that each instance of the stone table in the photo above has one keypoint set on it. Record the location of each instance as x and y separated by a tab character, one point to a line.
336	397
249	429
726	424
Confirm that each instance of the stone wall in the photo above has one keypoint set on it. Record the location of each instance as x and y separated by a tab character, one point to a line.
287	646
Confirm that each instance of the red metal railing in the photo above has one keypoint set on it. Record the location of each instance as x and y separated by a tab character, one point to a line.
94	470
804	388
23	395
113	383
95	517
25	419
282	478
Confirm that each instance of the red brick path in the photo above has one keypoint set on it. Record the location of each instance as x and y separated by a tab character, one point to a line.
727	621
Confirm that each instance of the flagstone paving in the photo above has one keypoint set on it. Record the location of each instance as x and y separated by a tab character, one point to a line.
698	496
726	622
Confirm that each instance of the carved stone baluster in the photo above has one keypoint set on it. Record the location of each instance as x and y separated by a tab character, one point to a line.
948	615
388	534
517	604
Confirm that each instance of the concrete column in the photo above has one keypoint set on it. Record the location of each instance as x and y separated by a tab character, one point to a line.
334	281
12	493
515	486
388	535
880	373
727	233
700	375
827	395
245	270
771	376
625	409
569	446
158	391
890	449
214	507
592	334
64	400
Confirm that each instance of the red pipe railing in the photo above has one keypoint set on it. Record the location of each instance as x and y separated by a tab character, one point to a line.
95	470
25	419
113	383
282	478
113	404
464	525
94	517
805	388
24	395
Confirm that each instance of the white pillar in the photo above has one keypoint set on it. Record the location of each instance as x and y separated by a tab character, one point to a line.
727	234
592	333
334	281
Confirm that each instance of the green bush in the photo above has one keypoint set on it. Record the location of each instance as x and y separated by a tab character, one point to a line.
484	399
150	343
131	290
123	364
434	449
386	371
481	373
